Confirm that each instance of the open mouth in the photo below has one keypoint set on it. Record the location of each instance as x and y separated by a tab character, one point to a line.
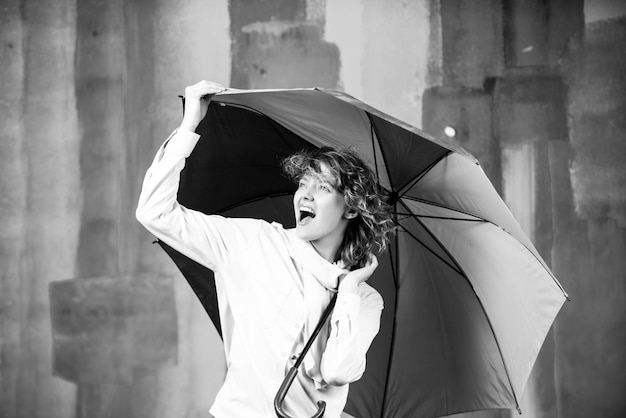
306	214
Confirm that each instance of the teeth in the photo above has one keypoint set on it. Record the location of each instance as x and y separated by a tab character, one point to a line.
306	209
305	212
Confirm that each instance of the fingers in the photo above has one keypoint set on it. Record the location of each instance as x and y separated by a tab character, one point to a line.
372	261
370	266
350	281
203	88
197	98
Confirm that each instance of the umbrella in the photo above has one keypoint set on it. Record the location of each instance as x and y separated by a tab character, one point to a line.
468	299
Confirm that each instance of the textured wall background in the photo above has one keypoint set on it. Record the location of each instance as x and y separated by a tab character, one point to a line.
88	91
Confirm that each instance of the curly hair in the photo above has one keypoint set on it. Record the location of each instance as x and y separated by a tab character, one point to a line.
370	230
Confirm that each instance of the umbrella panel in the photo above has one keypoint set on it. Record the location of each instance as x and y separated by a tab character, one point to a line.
367	395
406	154
519	295
411	225
440	338
201	280
320	118
457	337
461	185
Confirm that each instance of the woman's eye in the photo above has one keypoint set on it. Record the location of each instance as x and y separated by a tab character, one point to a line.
325	187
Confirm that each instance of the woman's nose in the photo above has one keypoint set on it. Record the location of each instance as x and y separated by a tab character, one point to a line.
307	192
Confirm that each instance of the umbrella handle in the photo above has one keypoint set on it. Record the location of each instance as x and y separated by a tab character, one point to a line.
282	392
288	380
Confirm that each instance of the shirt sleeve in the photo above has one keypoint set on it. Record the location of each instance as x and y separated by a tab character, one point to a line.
354	324
207	239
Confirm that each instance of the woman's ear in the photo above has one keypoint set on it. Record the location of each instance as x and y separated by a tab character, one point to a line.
350	214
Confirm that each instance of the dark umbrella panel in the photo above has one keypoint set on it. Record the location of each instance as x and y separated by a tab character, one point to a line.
468	300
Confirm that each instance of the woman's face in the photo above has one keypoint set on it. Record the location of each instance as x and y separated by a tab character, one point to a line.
320	210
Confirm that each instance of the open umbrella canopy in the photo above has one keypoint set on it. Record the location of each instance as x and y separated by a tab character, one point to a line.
468	299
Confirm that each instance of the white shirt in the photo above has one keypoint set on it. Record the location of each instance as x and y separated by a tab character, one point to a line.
260	285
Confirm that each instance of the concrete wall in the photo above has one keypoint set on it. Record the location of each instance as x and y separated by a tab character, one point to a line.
40	201
590	239
89	90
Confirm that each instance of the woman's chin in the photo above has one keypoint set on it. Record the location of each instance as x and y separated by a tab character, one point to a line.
299	232
303	233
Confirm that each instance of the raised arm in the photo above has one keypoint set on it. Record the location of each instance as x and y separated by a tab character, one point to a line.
205	239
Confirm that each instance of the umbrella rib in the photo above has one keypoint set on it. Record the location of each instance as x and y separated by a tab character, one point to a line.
395	273
238	105
251	200
444	339
413	215
458	268
394	268
429	202
374	131
481	219
452	266
495	338
421	174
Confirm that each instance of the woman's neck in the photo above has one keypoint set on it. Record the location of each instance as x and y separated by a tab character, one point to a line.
327	250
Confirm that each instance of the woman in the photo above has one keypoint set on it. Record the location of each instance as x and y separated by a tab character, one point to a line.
272	283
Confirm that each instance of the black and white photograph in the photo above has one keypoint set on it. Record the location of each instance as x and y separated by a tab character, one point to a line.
312	208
